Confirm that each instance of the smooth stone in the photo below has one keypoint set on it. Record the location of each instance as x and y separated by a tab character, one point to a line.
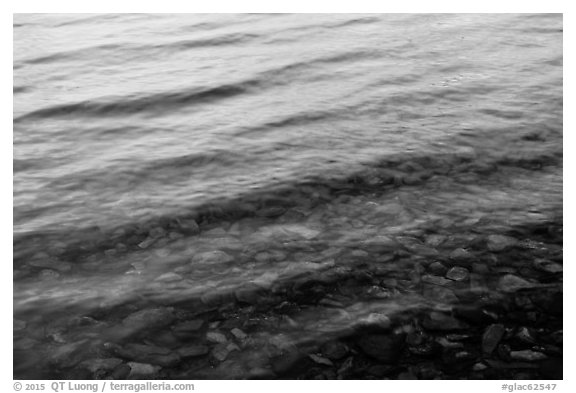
380	243
193	351
220	352
188	327
548	267
511	283
497	243
121	372
458	273
212	257
151	318
249	293
321	360
216	337
435	240
239	334
492	337
150	354
147	242
94	365
385	348
442	322
334	350
285	361
437	269
461	254
440	294
142	369
435	280
189	226
527	355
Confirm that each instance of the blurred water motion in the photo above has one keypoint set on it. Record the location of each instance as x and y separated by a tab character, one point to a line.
230	167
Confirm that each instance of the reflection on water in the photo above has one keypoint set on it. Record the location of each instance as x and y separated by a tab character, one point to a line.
288	196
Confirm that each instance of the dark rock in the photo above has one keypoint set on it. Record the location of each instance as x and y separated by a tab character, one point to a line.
250	293
458	273
442	322
94	365
497	243
473	314
285	361
193	351
188	328
437	268
334	350
148	354
385	348
138	370
440	294
149	319
121	372
491	338
435	280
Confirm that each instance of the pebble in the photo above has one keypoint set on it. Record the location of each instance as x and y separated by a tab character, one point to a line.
189	226
497	243
334	350
151	318
458	273
548	267
239	334
441	321
149	354
380	244
193	351
435	240
216	337
142	369
321	360
121	372
461	254
435	280
94	365
527	355
492	337
187	327
437	268
511	283
147	242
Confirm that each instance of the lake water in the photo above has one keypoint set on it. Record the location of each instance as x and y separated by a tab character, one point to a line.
299	144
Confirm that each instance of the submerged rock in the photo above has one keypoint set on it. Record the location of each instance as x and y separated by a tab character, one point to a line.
441	321
527	355
511	283
149	354
492	337
386	348
376	321
191	351
216	337
94	365
142	370
461	254
151	318
334	350
212	257
458	273
380	244
321	360
497	243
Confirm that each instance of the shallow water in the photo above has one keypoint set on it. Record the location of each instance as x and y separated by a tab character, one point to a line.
306	147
